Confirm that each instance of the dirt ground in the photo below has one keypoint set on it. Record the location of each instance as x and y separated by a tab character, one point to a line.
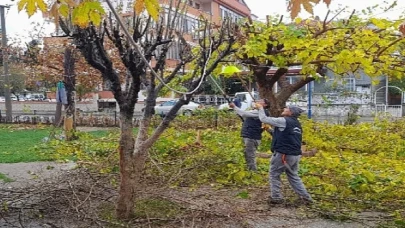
26	174
221	206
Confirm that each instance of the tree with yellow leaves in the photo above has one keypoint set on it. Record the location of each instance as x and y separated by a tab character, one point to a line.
344	47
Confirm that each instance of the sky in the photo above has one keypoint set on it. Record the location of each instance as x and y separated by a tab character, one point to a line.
19	25
262	8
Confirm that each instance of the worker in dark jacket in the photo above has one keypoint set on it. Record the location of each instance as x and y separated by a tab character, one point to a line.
286	148
251	133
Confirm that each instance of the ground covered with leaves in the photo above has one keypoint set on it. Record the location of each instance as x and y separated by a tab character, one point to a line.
196	175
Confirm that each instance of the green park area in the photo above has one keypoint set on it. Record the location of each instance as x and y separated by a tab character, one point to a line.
325	82
357	169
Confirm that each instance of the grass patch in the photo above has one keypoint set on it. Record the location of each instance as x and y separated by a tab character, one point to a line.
5	178
16	145
99	134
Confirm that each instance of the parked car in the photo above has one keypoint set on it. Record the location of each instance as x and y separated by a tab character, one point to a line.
35	97
21	98
2	99
245	98
187	109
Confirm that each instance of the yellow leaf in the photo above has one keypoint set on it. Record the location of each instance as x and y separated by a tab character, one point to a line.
88	12
139	6
41	5
31	6
152	6
369	175
95	17
21	4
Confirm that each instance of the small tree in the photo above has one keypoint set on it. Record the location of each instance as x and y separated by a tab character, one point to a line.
155	39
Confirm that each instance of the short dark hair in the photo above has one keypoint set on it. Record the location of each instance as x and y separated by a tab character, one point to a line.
266	102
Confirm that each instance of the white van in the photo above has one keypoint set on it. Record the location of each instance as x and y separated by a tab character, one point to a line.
35	97
245	98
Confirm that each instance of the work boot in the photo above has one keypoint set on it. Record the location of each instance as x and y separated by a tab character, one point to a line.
305	201
272	201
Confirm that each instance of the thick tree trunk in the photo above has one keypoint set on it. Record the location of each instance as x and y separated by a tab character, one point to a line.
125	203
132	163
276	105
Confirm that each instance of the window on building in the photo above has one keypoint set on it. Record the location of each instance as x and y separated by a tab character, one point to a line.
349	84
174	51
229	14
197	5
290	79
189	24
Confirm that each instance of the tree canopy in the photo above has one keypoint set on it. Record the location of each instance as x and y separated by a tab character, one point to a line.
345	47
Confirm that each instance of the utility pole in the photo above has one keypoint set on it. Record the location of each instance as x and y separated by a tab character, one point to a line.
9	117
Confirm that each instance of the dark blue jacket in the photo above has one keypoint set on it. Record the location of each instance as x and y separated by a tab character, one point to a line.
252	128
288	141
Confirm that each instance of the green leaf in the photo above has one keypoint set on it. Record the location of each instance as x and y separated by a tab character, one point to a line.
230	70
64	10
243	194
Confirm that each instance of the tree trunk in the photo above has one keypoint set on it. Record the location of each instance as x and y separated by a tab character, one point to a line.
58	115
132	163
276	107
70	82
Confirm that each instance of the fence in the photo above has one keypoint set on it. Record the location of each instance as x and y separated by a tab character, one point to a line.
211	118
339	98
333	113
82	118
210	99
389	110
366	113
